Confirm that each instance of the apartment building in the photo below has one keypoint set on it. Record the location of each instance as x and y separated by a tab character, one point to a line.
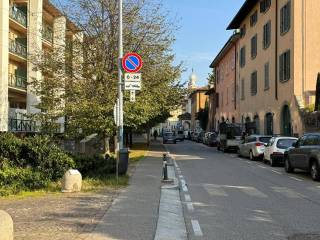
27	28
279	59
226	69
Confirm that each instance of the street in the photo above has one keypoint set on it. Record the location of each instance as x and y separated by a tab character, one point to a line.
227	197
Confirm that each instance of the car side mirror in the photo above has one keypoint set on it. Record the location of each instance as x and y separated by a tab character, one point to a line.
294	144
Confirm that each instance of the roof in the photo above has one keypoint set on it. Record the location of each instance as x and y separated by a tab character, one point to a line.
225	49
242	14
210	91
200	89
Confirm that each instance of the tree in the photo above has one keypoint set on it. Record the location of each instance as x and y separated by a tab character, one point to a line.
90	91
317	102
212	78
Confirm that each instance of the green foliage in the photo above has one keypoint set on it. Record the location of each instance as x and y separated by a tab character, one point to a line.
95	166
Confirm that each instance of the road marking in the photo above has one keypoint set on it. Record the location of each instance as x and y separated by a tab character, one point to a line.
184	188
175	164
196	228
180	176
249	162
287	192
215	190
260	166
184	185
276	172
187	198
251	191
297	179
190	207
239	158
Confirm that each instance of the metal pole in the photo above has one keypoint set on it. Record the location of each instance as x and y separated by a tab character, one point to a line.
120	93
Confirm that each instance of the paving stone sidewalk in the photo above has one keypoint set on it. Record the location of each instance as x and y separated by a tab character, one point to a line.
94	216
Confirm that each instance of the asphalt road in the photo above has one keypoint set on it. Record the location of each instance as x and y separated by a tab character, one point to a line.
229	198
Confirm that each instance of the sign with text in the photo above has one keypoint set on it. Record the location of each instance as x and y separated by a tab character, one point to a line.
134	77
132	95
132	85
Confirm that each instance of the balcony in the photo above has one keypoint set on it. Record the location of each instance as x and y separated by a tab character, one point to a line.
17	48
20	125
47	33
19	16
16	81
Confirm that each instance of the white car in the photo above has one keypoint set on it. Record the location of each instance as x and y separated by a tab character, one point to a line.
275	149
254	146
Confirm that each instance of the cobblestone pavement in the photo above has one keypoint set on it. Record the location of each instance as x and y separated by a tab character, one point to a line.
58	216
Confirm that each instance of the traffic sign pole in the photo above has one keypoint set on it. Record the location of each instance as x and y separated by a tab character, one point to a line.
120	92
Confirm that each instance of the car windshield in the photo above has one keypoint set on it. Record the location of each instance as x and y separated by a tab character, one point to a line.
265	139
168	134
180	132
285	143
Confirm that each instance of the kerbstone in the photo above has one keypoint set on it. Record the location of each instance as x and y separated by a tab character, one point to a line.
6	226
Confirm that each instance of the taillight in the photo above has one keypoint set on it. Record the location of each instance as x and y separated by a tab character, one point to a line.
259	144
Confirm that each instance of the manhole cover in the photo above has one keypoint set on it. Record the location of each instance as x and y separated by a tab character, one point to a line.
305	237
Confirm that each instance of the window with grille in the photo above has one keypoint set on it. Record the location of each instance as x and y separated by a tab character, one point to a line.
267	35
285	66
254	19
254	83
266	76
265	5
285	18
242	56
254	43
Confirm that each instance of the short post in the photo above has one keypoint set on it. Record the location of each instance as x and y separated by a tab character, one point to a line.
165	168
6	226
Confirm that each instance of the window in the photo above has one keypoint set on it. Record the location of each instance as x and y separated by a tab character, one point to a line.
242	89
254	43
285	18
266	76
242	57
284	68
254	83
265	5
311	141
267	35
243	31
254	19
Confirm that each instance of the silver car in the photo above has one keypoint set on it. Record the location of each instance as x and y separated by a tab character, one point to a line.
169	137
254	146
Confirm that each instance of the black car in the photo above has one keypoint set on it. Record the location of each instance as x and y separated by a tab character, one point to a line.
304	155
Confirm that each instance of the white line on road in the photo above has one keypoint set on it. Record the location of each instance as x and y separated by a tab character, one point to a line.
196	228
260	166
297	179
276	172
187	198
180	176
249	162
190	207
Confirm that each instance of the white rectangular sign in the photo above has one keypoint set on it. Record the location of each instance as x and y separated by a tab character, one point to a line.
134	77
132	95
131	85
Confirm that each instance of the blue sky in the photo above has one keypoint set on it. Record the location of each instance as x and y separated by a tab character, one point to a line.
202	32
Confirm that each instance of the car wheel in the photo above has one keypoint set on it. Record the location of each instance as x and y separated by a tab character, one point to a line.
238	152
272	162
175	142
287	165
251	157
218	148
315	173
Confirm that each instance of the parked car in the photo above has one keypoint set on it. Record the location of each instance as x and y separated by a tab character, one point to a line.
254	146
229	137
194	136
169	137
206	138
200	137
213	141
180	135
275	149
304	155
187	135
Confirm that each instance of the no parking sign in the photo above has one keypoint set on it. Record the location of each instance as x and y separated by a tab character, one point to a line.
132	62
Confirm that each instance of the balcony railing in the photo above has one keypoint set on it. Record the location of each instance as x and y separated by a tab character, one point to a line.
47	33
17	48
19	16
19	125
17	81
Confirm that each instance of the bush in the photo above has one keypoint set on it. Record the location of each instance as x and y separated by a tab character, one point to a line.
95	166
14	180
10	148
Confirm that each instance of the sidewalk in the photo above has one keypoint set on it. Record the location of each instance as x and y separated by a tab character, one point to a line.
134	214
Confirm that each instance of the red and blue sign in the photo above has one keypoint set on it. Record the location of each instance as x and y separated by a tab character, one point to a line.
132	62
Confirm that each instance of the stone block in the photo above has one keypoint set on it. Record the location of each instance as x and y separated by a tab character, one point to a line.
72	181
6	226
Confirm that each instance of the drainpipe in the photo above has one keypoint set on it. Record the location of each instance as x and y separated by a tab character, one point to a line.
276	50
235	75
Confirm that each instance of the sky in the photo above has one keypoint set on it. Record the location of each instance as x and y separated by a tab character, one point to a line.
202	32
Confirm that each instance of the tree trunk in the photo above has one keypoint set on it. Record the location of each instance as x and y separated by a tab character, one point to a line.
148	136
106	145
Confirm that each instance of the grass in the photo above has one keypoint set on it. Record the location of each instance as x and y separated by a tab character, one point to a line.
138	152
